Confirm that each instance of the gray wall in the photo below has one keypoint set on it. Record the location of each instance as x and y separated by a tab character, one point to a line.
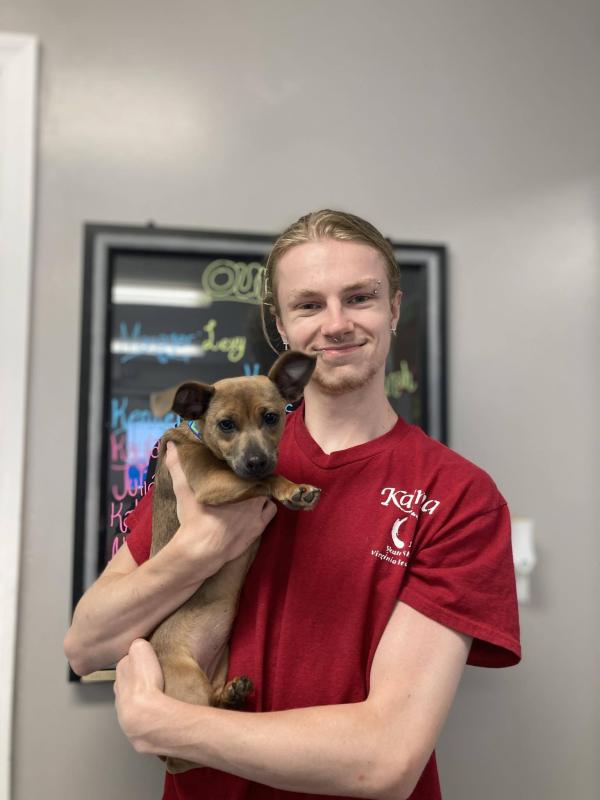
472	123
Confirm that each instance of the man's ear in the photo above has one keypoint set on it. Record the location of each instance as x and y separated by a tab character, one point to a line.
396	308
291	372
190	400
280	329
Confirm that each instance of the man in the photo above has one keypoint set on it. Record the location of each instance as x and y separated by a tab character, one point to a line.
356	620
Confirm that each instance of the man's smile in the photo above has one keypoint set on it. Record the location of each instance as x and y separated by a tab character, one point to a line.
339	350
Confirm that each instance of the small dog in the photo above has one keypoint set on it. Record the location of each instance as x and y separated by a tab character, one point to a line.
228	451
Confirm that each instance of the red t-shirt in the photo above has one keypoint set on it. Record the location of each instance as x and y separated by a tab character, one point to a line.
401	517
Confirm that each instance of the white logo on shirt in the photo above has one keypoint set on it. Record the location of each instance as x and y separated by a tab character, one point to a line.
395	528
399	554
413	504
408	501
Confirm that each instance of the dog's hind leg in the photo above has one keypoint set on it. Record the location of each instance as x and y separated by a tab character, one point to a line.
185	681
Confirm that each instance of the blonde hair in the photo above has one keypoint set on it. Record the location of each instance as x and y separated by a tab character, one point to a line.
324	224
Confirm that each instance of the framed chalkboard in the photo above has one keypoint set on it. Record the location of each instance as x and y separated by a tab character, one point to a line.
161	306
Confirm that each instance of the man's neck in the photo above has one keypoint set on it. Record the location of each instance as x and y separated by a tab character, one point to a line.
337	422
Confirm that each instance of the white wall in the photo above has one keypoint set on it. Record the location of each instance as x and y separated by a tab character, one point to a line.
469	122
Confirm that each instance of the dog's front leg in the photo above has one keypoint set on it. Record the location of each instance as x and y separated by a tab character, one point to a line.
223	486
297	496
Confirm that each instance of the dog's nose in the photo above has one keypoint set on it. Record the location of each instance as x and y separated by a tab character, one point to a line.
256	464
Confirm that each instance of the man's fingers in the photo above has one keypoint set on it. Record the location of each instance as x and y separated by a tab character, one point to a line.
180	484
143	664
120	669
173	463
140	648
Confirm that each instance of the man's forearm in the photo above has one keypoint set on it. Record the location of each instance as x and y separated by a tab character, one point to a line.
337	750
119	608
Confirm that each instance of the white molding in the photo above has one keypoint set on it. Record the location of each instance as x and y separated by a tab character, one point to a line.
18	86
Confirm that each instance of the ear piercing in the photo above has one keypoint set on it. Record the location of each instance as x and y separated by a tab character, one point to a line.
285	344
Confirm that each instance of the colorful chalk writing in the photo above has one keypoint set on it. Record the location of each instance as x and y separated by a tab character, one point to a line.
167	347
234	346
132	442
237	281
400	381
121	418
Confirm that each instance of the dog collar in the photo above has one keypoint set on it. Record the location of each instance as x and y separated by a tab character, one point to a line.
193	426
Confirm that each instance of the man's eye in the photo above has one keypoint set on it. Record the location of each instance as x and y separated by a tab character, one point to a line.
226	425
307	306
360	298
271	418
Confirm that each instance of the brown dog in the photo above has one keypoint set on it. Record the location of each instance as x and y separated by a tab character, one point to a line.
228	454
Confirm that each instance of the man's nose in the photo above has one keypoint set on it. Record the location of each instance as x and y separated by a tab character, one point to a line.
336	321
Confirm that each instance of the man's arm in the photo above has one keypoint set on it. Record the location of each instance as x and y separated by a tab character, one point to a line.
128	601
376	749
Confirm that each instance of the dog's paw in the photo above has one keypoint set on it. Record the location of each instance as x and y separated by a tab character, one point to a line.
234	694
302	498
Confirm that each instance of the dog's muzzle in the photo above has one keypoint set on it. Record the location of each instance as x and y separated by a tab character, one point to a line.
254	466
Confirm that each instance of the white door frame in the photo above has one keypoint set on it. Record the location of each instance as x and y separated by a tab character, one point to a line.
18	87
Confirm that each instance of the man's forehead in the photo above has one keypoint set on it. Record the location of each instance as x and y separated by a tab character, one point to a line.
329	250
309	263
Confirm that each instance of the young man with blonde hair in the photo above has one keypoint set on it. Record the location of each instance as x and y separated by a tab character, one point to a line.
356	620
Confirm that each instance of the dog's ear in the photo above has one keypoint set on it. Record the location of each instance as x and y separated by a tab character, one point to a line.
291	372
190	400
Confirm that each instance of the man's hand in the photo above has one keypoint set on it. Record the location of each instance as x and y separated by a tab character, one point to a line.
138	694
223	532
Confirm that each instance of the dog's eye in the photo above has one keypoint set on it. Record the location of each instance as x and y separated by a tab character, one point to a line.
271	418
226	425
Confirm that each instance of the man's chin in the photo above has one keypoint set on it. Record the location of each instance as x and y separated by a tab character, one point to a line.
339	380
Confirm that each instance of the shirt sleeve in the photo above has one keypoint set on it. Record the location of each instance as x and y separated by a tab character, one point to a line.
463	577
139	527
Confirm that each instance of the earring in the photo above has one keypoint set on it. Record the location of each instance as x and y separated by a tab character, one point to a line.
393	330
285	344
